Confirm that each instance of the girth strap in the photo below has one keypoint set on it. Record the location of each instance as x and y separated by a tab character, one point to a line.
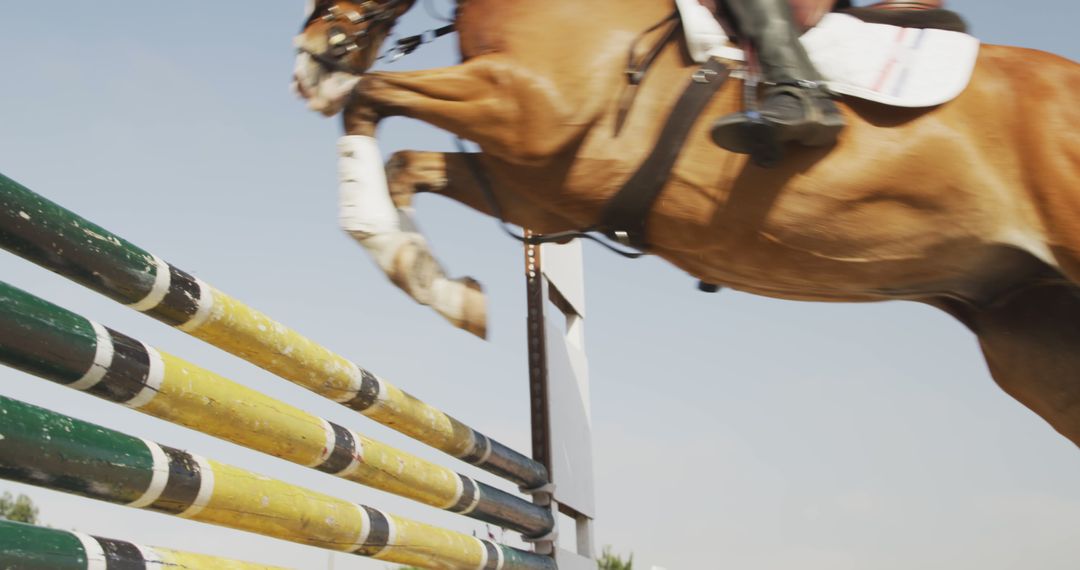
625	216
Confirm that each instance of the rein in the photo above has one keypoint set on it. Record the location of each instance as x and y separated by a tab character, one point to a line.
402	47
342	44
372	11
408	44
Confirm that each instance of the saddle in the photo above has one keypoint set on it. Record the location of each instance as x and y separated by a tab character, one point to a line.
922	15
624	217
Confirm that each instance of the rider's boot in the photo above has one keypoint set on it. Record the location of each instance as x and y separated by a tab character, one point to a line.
796	107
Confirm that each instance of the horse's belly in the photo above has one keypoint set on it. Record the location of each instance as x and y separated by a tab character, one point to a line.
970	270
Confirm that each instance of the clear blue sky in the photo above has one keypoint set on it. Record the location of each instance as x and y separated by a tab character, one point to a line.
731	431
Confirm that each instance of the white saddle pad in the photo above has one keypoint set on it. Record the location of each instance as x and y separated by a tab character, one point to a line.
905	67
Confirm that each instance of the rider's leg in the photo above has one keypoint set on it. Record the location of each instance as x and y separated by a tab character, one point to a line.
796	108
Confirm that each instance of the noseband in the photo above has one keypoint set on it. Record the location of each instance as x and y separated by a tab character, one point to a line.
342	43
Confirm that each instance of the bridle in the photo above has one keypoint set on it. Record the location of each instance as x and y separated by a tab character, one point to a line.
343	43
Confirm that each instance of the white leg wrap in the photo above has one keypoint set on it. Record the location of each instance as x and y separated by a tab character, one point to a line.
389	234
364	195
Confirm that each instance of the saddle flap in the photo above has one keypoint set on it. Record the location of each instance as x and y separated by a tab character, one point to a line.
901	66
904	67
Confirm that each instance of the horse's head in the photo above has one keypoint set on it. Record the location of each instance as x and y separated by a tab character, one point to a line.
339	42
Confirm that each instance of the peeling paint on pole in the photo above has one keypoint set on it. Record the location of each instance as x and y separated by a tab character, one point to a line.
46	449
60	240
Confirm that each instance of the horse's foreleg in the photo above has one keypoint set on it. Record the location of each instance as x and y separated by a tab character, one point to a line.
376	210
1031	341
482	100
388	233
516	115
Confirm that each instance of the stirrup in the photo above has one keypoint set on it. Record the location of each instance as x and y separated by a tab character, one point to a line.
820	122
761	134
761	139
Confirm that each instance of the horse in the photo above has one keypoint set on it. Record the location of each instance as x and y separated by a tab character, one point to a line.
969	206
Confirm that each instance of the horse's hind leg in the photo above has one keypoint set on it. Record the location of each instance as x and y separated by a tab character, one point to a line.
452	175
1031	340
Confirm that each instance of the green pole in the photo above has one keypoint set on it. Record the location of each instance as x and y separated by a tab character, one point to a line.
28	547
43	448
56	344
62	241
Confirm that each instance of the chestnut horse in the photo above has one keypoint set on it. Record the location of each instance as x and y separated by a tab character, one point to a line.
970	206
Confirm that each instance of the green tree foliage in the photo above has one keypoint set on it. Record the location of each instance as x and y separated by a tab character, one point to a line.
609	561
18	509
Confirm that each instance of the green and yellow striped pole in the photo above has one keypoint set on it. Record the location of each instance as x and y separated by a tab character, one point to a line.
60	240
46	449
59	345
28	547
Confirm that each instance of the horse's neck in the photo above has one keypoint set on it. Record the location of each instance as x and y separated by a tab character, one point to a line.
553	22
590	13
577	52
